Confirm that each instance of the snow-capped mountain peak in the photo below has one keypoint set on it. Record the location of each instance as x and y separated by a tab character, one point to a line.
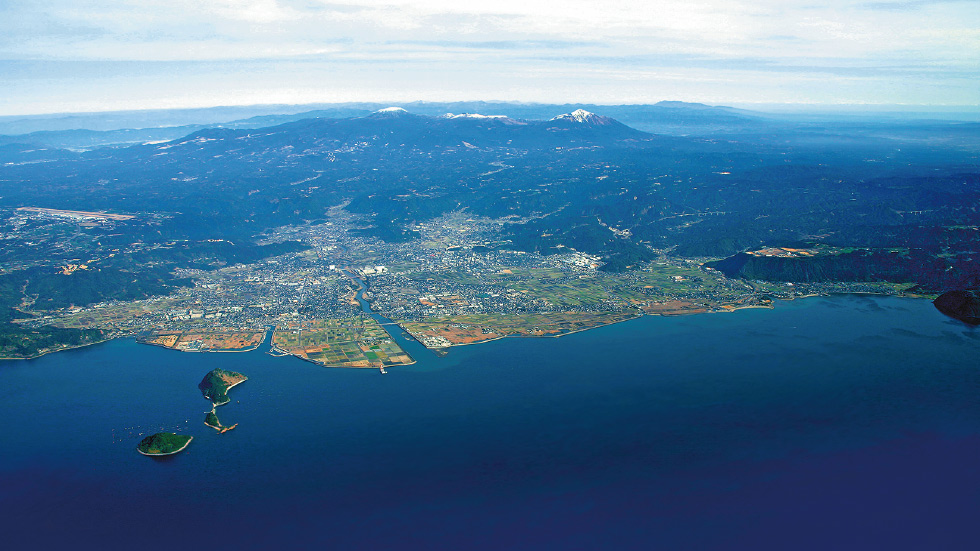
583	116
389	113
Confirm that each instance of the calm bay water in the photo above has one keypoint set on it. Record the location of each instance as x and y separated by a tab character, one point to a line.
841	423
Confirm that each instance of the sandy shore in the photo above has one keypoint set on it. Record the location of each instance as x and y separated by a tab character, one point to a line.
231	386
205	350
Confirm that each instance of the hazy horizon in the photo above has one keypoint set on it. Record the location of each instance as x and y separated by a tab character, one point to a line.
95	55
761	107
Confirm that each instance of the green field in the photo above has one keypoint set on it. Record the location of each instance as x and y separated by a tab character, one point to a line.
570	290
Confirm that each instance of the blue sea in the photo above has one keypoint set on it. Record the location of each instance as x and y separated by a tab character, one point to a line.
827	423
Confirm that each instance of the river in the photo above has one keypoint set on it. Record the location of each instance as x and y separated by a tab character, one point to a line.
409	344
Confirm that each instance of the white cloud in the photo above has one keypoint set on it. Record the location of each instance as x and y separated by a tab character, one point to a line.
708	42
728	28
253	11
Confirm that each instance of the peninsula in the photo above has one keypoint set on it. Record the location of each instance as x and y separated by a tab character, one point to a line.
163	443
217	383
963	305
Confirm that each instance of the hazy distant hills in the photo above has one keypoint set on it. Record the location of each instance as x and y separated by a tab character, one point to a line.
674	118
397	128
664	119
94	139
271	115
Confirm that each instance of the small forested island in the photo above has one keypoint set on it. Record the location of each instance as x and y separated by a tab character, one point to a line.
163	443
216	384
211	420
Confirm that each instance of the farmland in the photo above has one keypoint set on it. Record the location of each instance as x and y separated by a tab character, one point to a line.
351	342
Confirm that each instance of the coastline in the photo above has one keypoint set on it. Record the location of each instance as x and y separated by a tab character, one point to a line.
225	393
45	353
188	443
256	347
220	428
225	351
638	315
277	352
724	310
521	336
231	386
717	310
314	362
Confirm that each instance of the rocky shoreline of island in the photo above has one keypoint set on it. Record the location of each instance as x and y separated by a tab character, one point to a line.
163	444
216	384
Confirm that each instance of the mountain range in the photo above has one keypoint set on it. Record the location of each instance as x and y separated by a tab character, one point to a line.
675	118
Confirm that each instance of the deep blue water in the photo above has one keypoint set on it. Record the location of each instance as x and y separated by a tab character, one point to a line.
841	423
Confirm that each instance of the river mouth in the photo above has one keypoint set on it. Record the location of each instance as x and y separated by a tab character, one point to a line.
409	344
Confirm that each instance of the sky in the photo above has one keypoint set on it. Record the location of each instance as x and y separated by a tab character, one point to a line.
96	55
